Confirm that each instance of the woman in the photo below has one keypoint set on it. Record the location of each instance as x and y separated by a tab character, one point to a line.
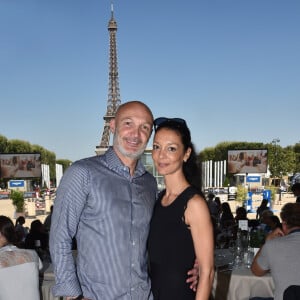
19	268
227	218
21	231
181	228
263	206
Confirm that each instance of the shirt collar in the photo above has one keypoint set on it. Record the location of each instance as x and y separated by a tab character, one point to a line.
116	164
294	230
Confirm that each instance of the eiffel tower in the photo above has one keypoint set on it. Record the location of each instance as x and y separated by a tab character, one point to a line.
113	101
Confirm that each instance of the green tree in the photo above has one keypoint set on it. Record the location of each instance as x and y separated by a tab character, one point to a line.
281	160
18	146
3	144
241	193
65	163
296	150
18	201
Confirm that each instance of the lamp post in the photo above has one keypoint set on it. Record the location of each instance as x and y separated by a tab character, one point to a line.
275	142
275	161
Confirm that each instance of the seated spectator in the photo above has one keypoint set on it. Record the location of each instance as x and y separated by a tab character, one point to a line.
19	268
21	232
296	190
47	222
265	220
240	214
218	202
274	223
226	219
280	253
38	239
212	205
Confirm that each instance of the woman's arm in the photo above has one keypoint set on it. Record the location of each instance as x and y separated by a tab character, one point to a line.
198	218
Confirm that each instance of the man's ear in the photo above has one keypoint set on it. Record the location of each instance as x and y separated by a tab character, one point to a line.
112	125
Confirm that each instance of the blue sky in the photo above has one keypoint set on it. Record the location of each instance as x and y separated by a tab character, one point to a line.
231	68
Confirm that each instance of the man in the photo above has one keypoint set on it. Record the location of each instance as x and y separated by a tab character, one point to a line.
296	191
106	202
213	206
47	222
280	253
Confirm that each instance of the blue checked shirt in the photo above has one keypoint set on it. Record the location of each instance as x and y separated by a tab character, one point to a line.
109	212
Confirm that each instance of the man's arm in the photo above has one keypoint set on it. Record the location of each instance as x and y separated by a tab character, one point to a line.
255	267
68	205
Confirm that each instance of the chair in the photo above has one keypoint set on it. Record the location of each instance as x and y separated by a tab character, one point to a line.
292	293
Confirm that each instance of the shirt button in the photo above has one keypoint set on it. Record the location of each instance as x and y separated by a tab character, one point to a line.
133	243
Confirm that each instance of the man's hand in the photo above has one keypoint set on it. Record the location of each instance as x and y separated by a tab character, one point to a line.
193	276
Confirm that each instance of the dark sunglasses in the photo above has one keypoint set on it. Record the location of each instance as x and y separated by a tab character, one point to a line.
162	120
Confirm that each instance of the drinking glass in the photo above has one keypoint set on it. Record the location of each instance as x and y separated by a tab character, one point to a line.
248	258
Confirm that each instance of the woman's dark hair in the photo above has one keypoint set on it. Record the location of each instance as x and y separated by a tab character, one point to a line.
241	213
191	169
20	220
36	226
7	229
290	214
226	208
276	221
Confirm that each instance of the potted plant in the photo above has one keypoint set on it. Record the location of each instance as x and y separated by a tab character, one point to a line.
18	201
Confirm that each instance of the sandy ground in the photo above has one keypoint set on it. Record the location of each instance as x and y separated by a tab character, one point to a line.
256	201
7	209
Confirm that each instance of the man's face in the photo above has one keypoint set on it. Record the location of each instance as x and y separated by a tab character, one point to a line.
132	129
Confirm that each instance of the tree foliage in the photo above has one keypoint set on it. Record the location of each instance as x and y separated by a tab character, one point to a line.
64	162
18	200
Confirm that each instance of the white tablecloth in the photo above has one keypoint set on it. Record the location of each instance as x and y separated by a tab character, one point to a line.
241	284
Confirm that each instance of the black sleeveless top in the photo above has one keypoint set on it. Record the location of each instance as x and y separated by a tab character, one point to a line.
171	250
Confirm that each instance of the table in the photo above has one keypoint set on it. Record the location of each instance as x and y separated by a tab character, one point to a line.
240	284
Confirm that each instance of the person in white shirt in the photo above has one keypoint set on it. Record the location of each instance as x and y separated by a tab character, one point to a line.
19	268
280	253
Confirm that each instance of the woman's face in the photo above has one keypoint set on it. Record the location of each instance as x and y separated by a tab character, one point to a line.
168	152
3	240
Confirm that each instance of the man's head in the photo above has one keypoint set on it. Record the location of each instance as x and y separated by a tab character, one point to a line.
296	189
290	216
265	216
132	128
211	196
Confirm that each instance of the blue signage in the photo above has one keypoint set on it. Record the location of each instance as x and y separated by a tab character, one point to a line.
16	183
253	178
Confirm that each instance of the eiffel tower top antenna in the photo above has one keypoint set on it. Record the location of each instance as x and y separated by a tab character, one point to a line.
113	100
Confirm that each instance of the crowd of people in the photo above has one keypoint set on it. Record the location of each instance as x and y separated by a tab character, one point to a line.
133	241
19	268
